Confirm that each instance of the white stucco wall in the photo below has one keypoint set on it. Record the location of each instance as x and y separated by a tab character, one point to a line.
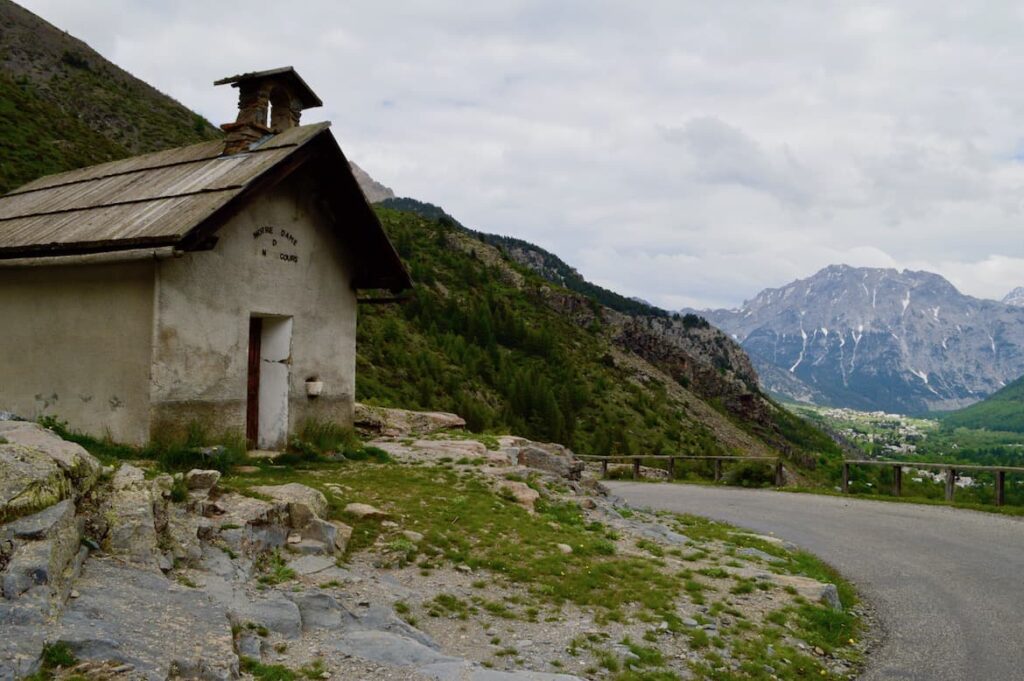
75	343
275	258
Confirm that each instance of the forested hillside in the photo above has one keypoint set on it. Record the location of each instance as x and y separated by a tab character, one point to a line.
1004	410
493	341
546	264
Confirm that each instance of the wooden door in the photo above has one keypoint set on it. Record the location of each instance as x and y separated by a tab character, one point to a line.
252	405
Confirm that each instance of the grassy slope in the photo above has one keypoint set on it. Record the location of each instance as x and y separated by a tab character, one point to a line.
1004	410
37	138
547	264
63	106
464	523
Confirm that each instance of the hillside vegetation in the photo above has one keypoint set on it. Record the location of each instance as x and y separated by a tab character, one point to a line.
546	264
1003	410
64	106
495	342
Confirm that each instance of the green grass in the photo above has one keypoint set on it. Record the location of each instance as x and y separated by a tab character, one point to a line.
266	672
1001	411
172	451
466	523
55	656
273	569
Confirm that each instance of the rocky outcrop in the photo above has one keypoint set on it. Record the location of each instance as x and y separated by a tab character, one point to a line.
520	493
38	469
131	521
402	423
374	191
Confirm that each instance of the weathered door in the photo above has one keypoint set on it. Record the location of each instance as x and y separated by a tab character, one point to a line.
275	364
252	405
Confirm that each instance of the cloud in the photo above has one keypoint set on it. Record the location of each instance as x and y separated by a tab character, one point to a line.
687	153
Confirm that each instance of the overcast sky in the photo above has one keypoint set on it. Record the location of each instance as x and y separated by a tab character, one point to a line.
687	152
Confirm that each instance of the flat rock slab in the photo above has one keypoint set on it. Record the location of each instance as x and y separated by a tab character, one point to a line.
22	634
43	524
311	565
465	671
139	617
388	648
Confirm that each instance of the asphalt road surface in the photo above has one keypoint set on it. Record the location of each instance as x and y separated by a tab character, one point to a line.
948	584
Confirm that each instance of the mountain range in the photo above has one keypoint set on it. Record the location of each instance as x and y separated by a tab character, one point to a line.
879	339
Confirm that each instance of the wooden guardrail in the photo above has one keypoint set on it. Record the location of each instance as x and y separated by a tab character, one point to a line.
671	460
951	472
952	469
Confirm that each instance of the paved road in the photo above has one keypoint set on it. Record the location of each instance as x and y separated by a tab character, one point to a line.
948	584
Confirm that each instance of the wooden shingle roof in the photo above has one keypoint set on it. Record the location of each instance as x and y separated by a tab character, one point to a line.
179	197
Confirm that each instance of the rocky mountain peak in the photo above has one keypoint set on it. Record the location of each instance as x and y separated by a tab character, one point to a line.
1015	297
877	338
374	190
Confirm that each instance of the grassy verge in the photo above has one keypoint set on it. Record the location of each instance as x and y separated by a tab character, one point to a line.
633	584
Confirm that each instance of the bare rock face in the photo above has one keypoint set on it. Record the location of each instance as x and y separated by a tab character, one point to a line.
375	192
401	423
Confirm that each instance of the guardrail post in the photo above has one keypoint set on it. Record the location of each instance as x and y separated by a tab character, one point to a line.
950	483
718	470
671	468
636	469
897	480
846	478
1000	487
604	468
779	481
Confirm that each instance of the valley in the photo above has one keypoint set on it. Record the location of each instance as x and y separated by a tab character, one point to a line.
894	437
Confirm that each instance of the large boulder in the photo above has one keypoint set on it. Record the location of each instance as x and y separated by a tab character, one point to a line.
553	459
44	545
521	493
30	481
38	469
400	422
304	503
79	466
